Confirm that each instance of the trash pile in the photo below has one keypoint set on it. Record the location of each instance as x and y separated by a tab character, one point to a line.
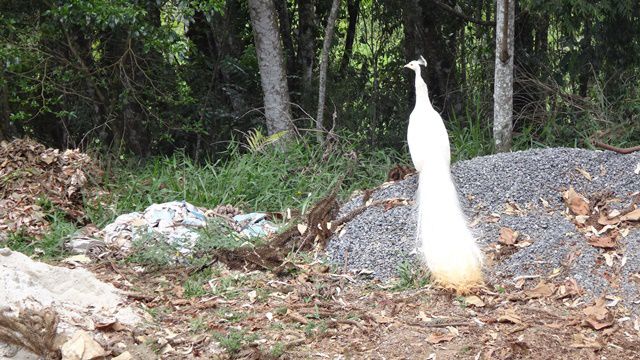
177	223
33	176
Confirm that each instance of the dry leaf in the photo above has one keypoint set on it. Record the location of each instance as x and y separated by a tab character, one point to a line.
511	208
422	316
302	228
252	296
577	203
381	319
543	289
113	325
439	337
608	219
510	316
584	173
508	236
544	202
598	316
582	219
607	241
632	216
474	300
581	341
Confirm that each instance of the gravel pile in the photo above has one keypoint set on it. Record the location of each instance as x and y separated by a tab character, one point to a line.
379	240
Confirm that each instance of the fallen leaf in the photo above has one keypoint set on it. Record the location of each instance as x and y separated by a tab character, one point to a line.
302	228
581	341
511	208
598	316
608	220
543	289
422	316
381	319
508	236
474	300
510	316
608	259
113	325
577	203
252	296
440	337
453	330
607	241
584	173
632	216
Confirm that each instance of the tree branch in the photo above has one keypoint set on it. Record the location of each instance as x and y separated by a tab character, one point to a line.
463	16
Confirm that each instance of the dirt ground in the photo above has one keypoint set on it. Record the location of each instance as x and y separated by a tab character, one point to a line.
316	314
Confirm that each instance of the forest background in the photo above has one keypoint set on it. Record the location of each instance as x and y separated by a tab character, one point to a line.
177	82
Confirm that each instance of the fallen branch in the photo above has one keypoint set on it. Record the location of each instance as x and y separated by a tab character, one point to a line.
619	150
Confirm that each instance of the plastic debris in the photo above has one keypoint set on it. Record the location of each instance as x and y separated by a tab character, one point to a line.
255	225
177	223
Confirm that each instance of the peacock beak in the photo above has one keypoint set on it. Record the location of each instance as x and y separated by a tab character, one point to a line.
406	66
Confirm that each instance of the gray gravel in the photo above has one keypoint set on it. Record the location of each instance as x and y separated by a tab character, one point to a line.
379	241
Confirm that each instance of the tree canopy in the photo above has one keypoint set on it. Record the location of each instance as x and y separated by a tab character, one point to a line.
149	77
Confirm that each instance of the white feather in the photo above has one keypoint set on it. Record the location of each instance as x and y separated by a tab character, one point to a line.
446	243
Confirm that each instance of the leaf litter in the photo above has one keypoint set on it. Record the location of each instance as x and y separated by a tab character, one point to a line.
301	308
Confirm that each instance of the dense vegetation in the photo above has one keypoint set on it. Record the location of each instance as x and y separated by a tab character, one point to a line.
148	77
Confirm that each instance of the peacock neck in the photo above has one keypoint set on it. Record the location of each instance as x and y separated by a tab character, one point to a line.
422	94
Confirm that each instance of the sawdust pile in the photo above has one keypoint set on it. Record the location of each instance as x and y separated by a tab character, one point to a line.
35	179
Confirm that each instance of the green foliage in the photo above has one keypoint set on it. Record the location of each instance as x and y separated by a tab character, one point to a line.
234	340
273	180
51	245
411	276
277	350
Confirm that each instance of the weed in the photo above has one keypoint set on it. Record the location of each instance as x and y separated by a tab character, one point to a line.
411	276
233	340
197	325
51	246
277	350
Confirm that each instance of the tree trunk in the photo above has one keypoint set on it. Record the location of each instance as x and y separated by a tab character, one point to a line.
271	63
324	60
306	48
503	85
7	130
353	7
285	33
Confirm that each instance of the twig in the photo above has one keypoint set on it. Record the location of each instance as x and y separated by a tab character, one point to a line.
438	324
619	150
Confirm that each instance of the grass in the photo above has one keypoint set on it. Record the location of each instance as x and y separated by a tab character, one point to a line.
270	180
411	276
51	245
234	340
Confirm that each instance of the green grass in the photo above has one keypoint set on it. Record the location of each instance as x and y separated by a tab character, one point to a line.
51	245
270	180
234	340
411	276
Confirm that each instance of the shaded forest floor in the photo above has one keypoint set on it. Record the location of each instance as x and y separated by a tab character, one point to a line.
318	314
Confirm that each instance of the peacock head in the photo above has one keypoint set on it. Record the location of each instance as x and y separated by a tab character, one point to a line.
415	64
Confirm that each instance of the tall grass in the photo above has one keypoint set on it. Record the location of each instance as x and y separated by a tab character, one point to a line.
270	180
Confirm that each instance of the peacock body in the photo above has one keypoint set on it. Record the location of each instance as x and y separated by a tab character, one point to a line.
446	243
